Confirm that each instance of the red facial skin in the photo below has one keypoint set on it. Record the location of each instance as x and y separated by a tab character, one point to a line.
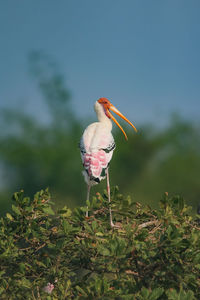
106	105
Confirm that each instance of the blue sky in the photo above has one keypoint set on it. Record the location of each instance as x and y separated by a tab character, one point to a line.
143	55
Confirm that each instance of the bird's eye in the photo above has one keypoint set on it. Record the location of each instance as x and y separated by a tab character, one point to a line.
103	101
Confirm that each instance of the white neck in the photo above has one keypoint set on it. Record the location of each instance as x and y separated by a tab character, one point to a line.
101	114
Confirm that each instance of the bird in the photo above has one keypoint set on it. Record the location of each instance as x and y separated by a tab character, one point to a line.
97	145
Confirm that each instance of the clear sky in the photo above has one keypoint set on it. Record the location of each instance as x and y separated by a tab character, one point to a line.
144	55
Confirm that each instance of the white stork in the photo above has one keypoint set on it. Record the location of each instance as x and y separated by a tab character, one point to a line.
97	145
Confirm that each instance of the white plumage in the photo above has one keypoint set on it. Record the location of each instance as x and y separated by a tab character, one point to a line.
97	146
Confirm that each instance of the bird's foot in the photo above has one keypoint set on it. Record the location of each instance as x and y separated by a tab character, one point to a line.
117	225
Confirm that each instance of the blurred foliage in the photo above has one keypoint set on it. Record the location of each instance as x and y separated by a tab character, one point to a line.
35	155
155	161
151	254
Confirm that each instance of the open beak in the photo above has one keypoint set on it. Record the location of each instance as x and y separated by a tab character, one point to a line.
115	110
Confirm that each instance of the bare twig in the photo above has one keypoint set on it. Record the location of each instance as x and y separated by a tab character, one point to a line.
131	272
38	292
149	223
33	295
43	245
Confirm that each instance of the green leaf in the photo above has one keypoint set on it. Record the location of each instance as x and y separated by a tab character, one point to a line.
48	210
65	212
156	293
145	293
16	209
25	283
103	250
99	234
2	273
79	289
9	216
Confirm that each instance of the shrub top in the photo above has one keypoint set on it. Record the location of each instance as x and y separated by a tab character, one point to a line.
150	254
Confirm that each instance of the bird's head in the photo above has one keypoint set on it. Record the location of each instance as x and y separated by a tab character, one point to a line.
107	106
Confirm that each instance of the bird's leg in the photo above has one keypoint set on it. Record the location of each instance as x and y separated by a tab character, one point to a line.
108	190
88	198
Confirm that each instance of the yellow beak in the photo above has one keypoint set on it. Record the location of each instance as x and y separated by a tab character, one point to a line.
115	110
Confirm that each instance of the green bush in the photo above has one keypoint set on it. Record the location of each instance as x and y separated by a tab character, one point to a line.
150	254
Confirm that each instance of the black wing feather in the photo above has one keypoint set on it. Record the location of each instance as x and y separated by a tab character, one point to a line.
110	147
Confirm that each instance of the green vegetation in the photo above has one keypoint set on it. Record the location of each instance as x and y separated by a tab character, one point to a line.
152	254
36	154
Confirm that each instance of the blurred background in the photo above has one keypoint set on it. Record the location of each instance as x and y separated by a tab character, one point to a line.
59	57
